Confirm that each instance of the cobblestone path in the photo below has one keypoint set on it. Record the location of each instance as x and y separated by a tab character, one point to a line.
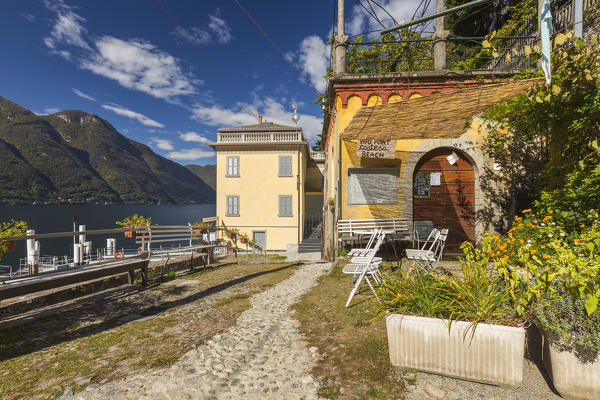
261	357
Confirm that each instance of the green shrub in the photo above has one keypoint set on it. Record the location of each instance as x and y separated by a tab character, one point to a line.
477	295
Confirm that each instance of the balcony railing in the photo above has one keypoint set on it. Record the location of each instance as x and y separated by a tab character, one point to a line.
317	155
462	53
259	137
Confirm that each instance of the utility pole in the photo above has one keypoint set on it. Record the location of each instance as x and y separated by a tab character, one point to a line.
340	42
439	38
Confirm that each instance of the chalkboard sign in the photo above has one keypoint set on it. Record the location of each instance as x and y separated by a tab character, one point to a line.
421	185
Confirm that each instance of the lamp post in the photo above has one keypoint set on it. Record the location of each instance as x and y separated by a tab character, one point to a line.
295	115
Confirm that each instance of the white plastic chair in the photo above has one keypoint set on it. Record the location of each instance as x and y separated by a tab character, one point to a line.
363	267
428	259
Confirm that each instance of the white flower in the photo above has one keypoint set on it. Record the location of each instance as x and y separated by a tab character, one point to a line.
562	234
543	224
550	235
529	241
554	223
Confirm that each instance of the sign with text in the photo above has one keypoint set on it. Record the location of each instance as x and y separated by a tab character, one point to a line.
376	149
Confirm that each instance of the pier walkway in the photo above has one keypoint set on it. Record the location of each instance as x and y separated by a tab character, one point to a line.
261	356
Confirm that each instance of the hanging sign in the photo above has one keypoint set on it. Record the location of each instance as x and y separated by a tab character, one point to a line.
421	185
435	179
376	149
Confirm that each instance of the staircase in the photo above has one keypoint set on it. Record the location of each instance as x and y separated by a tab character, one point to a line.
311	242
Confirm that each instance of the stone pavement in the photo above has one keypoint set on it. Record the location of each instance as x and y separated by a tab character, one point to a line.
262	356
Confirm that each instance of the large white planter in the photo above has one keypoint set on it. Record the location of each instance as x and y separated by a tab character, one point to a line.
573	379
494	355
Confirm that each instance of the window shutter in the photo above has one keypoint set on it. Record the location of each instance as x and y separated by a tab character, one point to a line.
285	165
285	206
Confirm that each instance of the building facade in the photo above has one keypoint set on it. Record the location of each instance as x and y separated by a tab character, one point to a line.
263	174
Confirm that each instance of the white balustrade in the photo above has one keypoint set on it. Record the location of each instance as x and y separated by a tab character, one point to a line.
259	137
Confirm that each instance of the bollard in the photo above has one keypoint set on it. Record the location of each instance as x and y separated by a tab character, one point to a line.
30	251
87	250
81	237
77	254
111	245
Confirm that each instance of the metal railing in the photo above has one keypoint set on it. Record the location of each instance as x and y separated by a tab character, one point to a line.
259	137
462	53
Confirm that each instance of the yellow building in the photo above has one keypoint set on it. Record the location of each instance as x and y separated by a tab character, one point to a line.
268	185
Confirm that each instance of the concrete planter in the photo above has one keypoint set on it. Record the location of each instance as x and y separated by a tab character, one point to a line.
494	355
572	378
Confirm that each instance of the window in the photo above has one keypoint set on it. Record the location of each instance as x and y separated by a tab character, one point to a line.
233	206
285	165
372	186
285	206
233	166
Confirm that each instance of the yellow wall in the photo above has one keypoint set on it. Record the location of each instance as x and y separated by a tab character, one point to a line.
349	159
259	187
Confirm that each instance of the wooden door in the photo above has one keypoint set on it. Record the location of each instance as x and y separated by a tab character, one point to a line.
449	202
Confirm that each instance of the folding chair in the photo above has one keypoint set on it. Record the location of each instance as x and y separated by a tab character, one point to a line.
363	251
363	267
422	230
428	260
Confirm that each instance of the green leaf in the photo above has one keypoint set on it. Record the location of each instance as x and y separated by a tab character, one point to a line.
486	44
591	303
560	39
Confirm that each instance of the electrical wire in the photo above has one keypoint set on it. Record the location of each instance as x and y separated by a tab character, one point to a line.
286	58
384	10
206	60
372	16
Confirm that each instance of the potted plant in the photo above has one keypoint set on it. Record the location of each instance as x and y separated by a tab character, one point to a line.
131	222
243	238
232	233
203	228
450	325
8	229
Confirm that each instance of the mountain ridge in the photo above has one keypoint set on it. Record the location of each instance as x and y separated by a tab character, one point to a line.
75	157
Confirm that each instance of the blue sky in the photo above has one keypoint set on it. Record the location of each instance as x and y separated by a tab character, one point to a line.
128	63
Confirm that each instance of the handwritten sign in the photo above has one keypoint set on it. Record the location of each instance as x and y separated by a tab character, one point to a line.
436	179
421	185
376	149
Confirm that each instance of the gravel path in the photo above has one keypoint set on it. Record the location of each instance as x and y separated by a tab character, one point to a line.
262	356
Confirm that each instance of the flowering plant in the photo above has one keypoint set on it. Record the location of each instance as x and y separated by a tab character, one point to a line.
8	229
134	220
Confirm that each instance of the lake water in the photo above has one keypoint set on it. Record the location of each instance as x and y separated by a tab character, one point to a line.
59	218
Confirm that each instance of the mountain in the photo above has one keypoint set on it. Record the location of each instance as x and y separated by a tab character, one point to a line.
80	156
208	173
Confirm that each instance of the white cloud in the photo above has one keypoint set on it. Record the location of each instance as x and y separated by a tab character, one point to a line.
29	17
67	27
83	95
133	63
314	59
190	154
195	34
50	110
140	66
271	109
401	10
194	137
162	144
220	28
124	112
217	30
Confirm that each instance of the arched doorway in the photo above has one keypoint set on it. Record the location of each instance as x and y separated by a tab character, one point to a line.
444	193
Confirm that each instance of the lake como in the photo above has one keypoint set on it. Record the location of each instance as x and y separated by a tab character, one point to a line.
59	218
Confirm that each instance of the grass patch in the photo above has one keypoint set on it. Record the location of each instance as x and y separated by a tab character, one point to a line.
39	358
356	362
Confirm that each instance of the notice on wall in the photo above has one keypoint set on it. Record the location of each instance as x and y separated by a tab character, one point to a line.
435	179
376	149
421	185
